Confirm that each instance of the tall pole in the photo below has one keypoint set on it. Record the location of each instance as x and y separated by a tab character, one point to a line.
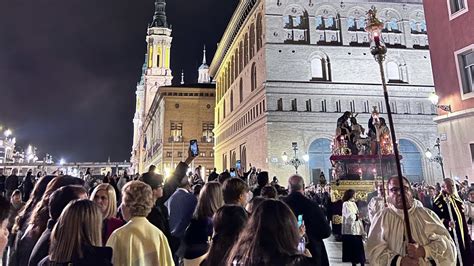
440	158
378	50
380	59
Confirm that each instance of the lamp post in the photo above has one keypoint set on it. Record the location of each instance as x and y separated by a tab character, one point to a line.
378	49
295	161
435	99
437	158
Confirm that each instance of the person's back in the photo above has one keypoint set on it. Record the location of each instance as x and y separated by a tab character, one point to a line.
180	206
317	227
11	183
139	243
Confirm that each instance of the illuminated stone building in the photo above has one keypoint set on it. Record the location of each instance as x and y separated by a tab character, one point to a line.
287	69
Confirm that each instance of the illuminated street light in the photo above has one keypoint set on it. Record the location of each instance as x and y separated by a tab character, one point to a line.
306	157
295	161
284	157
428	154
62	161
435	99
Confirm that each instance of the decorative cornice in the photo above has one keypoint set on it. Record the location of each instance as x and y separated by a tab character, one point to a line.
238	18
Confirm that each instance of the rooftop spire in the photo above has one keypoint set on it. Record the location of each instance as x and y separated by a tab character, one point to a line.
159	18
182	76
204	56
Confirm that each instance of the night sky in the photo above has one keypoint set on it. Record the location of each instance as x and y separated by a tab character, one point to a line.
68	69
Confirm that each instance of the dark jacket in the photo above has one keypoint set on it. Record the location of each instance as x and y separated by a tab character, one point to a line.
282	260
41	248
180	206
317	227
11	183
93	256
159	218
196	238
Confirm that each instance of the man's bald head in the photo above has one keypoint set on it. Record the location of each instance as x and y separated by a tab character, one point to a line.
296	183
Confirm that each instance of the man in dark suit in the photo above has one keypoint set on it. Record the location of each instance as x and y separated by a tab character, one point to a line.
454	220
317	227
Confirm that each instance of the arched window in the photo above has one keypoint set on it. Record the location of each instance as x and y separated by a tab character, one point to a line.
253	78
224	162
295	22
361	23
233	159
412	167
243	157
351	24
393	72
231	101
241	57
259	32
319	153
241	90
236	62
317	68
252	41
320	68
392	25
246	49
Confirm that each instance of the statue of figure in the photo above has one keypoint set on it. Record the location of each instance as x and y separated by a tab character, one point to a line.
383	137
359	142
343	128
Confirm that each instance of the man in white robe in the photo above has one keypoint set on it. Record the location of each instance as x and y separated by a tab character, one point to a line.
387	243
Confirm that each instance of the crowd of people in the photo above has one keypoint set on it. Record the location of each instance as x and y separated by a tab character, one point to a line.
232	218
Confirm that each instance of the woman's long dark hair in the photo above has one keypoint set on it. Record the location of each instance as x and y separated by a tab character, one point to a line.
25	213
270	234
349	194
228	222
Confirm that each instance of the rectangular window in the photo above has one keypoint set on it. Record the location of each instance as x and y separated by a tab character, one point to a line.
323	106
353	106
207	128
380	107
393	106
472	151
176	129
338	106
280	104
202	154
294	105
466	69
168	154
180	154
308	106
366	107
456	5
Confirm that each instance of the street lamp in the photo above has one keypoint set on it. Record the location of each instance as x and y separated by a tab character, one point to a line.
62	161
295	161
435	99
437	158
378	49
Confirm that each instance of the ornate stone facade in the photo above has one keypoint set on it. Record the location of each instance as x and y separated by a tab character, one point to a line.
287	69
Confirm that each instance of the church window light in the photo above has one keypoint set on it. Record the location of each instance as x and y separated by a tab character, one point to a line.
158	57
150	56
253	77
167	58
176	130
393	72
259	32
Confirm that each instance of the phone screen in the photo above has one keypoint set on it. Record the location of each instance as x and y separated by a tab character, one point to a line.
300	220
193	147
232	174
237	165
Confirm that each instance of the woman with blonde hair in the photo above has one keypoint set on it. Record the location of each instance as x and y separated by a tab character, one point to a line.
199	232
104	196
76	238
139	242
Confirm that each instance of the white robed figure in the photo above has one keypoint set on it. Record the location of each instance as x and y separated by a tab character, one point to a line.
387	243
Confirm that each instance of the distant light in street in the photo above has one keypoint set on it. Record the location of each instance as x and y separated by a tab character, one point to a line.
306	157
62	161
7	133
428	154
